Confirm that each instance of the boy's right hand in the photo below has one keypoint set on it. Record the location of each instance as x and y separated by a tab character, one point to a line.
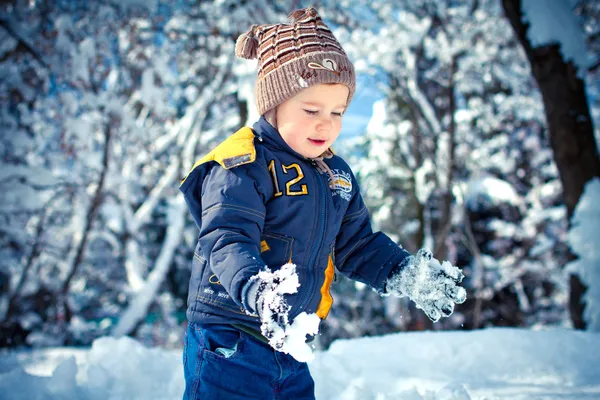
265	297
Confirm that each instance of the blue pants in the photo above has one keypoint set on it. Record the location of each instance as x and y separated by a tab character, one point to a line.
222	362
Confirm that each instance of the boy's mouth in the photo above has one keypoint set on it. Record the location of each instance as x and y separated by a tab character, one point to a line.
317	142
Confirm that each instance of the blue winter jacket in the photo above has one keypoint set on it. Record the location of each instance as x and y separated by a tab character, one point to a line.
259	203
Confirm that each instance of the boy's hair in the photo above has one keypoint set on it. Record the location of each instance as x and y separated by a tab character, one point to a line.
293	57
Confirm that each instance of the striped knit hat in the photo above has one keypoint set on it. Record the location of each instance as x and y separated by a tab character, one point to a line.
292	57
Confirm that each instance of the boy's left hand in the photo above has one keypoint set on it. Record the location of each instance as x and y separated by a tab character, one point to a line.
431	285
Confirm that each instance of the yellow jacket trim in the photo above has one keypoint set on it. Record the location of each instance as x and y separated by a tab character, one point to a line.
264	246
326	298
238	149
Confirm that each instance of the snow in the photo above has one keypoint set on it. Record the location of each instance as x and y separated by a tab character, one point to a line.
431	285
295	336
489	189
493	363
245	72
554	22
34	175
584	239
7	43
18	198
497	363
152	95
287	337
150	5
146	77
424	186
141	302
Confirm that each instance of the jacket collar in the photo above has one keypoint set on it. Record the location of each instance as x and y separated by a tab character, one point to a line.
264	131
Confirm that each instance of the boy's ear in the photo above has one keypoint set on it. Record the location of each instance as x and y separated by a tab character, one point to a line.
271	117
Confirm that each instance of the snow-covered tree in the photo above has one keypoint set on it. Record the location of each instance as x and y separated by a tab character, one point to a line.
110	105
454	158
584	239
559	63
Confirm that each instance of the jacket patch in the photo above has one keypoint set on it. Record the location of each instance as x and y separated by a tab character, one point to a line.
342	184
237	160
238	149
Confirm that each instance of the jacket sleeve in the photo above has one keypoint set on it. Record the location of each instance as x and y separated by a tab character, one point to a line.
232	206
362	254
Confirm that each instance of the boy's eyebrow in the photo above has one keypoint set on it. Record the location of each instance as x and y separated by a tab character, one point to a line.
315	103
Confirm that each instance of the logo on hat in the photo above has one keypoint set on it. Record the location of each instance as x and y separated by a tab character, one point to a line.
327	64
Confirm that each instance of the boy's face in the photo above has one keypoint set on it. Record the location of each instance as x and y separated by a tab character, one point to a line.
311	121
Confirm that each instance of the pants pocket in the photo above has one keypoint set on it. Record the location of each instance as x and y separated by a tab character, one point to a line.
221	341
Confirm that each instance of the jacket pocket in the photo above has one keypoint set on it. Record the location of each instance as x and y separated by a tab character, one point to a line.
276	249
208	288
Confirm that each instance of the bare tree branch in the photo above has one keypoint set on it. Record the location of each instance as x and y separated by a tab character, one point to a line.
13	31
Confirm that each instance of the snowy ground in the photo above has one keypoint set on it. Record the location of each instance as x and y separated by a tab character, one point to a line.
488	364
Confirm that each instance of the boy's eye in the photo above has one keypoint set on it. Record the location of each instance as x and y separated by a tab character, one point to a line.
311	112
337	114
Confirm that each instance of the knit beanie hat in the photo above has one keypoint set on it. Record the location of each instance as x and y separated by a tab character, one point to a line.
293	57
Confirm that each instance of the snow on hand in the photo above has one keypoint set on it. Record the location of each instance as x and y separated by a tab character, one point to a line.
430	285
283	336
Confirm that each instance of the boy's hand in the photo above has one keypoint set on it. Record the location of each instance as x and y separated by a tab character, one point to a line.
265	295
431	285
266	298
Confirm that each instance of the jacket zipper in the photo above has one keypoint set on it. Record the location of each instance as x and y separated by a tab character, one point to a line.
321	228
333	261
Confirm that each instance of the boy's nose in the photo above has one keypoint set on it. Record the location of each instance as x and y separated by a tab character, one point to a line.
324	124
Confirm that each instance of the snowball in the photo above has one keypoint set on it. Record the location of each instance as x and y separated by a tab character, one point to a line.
283	336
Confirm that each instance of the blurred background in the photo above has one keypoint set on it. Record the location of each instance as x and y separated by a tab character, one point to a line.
473	132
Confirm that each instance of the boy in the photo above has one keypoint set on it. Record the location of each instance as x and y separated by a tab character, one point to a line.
275	196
